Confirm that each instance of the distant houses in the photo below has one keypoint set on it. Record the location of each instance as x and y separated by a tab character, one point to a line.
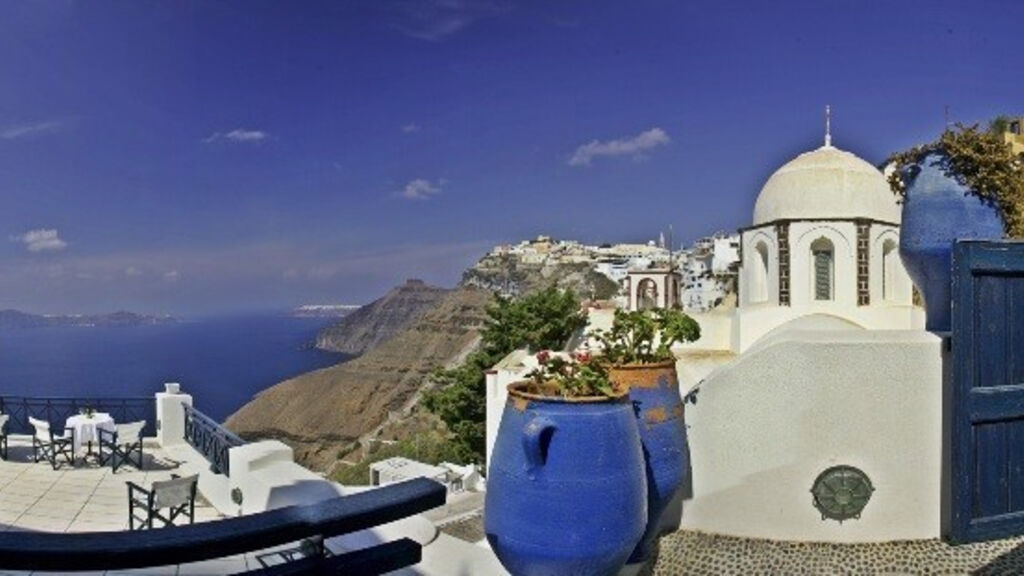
698	278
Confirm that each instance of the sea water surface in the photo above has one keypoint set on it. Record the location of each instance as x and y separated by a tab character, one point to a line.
222	362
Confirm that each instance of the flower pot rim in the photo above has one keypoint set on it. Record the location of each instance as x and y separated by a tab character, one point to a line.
517	390
644	365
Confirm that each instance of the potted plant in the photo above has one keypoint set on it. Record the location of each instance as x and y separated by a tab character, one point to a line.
566	492
965	185
638	347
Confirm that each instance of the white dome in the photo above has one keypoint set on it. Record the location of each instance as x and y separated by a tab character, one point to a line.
826	183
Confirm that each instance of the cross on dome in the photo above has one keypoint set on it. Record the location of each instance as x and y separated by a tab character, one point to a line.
828	126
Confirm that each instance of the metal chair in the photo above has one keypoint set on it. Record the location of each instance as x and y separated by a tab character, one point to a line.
50	446
124	445
3	435
177	496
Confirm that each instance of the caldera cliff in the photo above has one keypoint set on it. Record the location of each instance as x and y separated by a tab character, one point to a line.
321	412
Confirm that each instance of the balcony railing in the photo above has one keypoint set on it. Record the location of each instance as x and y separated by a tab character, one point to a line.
57	410
223	538
211	439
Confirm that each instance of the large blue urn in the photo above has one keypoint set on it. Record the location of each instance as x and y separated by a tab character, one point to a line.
566	493
654	391
938	210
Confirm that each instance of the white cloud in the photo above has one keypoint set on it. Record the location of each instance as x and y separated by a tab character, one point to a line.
238	135
132	272
172	276
436	20
634	146
42	240
410	128
30	130
420	189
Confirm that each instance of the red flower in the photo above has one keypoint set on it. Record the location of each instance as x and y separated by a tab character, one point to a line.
583	357
543	356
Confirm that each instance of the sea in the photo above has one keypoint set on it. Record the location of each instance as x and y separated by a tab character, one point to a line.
222	361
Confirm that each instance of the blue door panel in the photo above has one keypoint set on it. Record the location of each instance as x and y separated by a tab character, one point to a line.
987	410
1015	466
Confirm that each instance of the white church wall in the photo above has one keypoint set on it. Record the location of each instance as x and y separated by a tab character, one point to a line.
843	236
765	425
757	286
888	268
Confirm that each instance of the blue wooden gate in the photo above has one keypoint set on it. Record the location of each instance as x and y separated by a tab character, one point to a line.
987	397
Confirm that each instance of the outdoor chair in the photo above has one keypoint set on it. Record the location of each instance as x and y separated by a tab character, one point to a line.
47	445
165	501
123	445
3	435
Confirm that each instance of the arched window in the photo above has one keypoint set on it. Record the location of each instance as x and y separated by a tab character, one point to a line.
759	277
822	260
646	294
889	256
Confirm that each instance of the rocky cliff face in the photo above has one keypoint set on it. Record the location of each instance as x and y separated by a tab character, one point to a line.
402	337
320	412
381	320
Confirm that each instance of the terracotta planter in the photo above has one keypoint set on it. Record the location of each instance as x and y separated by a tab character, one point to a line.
654	391
566	492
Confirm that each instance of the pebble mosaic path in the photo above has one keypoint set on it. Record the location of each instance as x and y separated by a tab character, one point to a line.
688	553
696	553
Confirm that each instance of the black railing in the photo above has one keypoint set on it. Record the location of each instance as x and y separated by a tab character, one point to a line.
57	410
96	551
211	439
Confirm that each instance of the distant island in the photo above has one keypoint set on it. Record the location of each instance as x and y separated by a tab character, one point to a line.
324	310
15	319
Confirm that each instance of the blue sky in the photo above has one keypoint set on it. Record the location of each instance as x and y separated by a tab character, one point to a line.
199	157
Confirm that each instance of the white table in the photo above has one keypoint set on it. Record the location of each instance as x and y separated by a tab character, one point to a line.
87	428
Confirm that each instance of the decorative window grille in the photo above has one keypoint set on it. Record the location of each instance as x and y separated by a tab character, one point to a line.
821	252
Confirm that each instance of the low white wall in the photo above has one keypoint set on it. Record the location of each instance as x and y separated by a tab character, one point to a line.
715	330
766	425
512	368
753	322
268	478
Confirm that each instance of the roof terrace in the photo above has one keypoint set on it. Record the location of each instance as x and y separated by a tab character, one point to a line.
256	510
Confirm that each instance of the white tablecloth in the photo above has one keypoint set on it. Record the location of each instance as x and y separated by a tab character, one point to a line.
86	429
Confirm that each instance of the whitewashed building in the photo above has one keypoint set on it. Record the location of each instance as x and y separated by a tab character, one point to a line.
824	240
399	469
708	271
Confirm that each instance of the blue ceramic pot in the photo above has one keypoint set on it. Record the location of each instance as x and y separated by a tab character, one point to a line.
566	493
937	211
654	391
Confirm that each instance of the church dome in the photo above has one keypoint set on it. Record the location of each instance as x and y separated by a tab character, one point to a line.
826	183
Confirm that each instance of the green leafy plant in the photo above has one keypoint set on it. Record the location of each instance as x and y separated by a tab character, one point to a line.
579	376
978	159
542	320
646	336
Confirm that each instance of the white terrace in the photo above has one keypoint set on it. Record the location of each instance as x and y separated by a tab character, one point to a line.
88	497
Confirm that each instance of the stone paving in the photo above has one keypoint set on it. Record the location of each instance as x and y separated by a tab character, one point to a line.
697	553
700	554
90	498
83	498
